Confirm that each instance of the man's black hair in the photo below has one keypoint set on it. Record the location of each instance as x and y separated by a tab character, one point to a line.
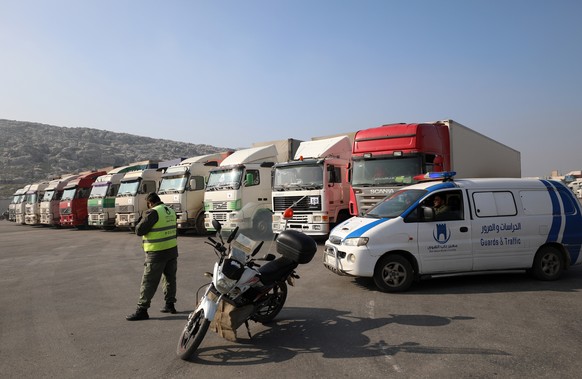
153	198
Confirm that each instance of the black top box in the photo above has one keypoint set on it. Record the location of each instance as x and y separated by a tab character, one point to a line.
297	246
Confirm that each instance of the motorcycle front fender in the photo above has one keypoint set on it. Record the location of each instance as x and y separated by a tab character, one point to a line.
209	306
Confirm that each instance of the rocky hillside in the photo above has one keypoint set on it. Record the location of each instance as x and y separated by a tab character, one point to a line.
31	152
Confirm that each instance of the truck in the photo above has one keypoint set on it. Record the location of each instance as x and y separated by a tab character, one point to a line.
16	199
34	196
73	203
101	203
130	201
182	188
49	205
316	184
388	157
238	192
19	205
576	187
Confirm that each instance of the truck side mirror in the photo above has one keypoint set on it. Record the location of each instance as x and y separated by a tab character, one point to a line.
249	180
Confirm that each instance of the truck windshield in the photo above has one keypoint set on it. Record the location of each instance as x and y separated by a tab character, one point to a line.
99	191
395	205
385	171
16	199
297	177
31	198
48	195
225	179
69	193
172	184
128	188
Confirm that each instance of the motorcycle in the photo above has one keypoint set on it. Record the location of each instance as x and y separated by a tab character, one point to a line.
241	289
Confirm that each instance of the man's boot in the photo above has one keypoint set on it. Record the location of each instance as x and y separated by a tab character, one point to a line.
168	308
139	314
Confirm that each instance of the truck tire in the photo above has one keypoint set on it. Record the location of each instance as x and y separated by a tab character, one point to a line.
393	273
199	226
548	264
262	224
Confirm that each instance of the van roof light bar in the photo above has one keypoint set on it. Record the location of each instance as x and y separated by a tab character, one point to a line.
445	176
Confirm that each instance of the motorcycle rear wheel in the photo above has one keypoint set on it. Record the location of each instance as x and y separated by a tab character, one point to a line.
271	304
192	335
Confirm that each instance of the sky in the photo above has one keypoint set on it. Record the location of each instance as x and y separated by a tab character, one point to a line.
230	73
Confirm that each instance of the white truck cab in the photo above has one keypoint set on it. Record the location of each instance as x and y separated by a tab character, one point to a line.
487	225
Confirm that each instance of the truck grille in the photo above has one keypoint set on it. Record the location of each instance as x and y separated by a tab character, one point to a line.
302	219
219	216
283	202
124	208
219	205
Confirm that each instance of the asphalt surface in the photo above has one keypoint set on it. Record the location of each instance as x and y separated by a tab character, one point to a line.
65	294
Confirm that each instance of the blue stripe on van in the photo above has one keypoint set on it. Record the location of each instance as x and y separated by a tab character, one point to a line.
556	211
572	234
572	238
358	232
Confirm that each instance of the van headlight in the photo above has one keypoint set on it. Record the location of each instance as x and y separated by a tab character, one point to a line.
359	241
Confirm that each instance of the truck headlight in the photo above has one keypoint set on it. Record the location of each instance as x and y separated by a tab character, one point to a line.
359	241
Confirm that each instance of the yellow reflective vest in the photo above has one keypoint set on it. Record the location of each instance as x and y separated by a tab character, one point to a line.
162	236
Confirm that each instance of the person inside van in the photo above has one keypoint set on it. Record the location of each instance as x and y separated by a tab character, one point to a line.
439	205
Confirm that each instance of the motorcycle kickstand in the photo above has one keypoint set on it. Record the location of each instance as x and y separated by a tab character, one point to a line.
248	329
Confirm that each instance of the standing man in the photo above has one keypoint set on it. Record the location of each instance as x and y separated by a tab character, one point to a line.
159	238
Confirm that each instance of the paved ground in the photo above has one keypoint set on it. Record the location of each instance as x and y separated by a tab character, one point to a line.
65	294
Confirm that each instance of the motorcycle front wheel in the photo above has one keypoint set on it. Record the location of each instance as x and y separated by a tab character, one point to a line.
192	335
271	303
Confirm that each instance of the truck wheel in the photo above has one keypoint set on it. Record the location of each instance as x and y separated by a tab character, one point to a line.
262	225
393	273
548	264
200	228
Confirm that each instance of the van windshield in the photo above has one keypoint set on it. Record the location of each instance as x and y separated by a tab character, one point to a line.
394	205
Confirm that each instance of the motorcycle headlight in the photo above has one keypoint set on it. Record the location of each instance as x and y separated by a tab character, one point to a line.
224	285
359	241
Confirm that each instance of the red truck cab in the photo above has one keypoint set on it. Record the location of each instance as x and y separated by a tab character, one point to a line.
390	156
73	204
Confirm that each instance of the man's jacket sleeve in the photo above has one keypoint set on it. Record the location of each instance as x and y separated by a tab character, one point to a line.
147	222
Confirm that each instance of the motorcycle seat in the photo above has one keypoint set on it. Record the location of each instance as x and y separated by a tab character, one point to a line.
277	269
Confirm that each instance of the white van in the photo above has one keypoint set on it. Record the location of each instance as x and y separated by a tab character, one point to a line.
490	225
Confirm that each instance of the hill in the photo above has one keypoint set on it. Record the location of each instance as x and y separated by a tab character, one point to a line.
32	152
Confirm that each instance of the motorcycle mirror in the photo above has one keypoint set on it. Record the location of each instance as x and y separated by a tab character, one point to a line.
288	213
257	249
216	225
232	235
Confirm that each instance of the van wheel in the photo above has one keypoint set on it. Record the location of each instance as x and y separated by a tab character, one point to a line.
548	264
393	273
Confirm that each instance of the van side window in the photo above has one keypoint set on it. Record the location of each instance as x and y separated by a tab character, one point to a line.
450	208
535	202
494	204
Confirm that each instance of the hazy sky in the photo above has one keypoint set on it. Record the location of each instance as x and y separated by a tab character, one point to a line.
232	72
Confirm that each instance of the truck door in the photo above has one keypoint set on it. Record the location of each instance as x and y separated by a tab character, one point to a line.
444	241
